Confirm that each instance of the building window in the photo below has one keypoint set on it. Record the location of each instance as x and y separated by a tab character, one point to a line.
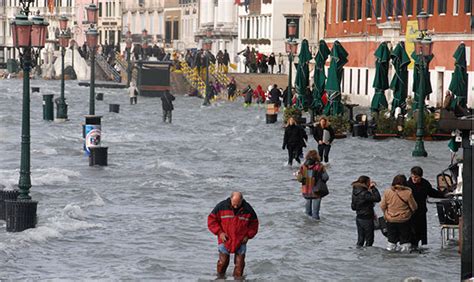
100	9
175	30
168	32
442	6
330	12
378	8
359	9
248	28
389	8
358	81
350	81
367	82
409	7
344	10
399	9
467	6
455	7
430	7
419	6
351	10
368	9
297	21
257	28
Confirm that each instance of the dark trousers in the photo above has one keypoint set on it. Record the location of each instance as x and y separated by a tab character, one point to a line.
293	153
365	232
279	68
166	115
398	232
133	100
323	150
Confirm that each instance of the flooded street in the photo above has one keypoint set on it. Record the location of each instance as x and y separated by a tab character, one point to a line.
145	215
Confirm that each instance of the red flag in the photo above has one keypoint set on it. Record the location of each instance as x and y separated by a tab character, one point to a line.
324	98
236	2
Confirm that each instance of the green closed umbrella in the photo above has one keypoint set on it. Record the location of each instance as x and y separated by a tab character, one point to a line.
333	85
421	81
458	85
399	84
302	75
320	76
382	55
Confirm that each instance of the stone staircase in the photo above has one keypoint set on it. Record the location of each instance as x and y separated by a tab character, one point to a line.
254	79
111	73
221	77
193	78
122	62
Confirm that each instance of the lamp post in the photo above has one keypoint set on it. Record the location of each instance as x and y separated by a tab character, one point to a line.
29	37
128	49
207	46
91	38
291	48
424	51
63	35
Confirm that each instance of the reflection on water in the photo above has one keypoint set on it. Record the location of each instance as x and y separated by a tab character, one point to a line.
144	216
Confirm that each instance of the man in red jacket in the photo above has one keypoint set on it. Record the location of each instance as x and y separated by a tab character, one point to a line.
234	222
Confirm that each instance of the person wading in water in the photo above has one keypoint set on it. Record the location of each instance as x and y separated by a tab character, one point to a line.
234	222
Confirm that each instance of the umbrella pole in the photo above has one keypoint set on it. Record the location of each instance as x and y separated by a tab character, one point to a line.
419	150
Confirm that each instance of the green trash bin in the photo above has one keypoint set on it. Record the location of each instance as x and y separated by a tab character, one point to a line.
48	107
12	65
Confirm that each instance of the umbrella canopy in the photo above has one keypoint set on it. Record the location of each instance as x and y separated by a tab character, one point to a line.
458	85
320	75
333	86
399	84
302	75
382	55
421	79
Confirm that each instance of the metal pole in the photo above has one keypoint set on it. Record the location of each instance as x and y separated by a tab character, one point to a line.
25	178
92	84
206	99
290	90
129	68
419	150
467	198
62	108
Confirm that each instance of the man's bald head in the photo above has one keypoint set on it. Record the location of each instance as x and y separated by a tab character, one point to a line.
236	199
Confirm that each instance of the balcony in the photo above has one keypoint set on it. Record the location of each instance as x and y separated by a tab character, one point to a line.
149	6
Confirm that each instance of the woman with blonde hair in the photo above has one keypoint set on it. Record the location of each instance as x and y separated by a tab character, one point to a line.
313	177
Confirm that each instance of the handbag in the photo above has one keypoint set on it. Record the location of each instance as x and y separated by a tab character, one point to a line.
321	188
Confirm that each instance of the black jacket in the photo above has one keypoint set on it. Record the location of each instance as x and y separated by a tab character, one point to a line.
421	191
295	137
275	96
363	200
167	101
318	133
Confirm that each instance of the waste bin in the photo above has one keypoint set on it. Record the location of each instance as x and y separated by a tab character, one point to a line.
6	195
92	132
114	108
12	65
48	107
359	130
98	156
99	96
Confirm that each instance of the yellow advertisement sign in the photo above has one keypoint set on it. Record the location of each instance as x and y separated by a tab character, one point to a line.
410	36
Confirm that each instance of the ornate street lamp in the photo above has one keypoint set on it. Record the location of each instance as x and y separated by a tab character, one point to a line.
207	46
29	37
92	40
128	49
291	48
424	51
63	34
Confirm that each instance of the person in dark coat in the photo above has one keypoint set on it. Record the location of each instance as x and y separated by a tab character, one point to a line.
248	92
294	140
364	197
272	61
167	104
226	61
285	98
275	95
421	189
231	88
324	135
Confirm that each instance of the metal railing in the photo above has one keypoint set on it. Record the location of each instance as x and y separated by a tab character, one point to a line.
108	69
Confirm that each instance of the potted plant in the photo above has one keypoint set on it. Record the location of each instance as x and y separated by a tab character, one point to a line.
384	125
291	112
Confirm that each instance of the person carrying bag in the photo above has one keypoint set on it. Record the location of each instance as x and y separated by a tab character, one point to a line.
313	177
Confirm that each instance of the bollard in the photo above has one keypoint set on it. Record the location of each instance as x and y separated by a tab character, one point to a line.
6	195
271	118
20	214
99	96
48	107
91	132
98	156
35	89
114	108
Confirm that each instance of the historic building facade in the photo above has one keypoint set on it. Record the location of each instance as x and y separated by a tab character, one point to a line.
361	25
143	16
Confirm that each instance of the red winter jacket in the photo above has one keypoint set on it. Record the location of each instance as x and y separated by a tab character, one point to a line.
237	225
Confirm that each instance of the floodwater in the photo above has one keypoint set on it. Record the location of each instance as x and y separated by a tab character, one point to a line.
145	215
